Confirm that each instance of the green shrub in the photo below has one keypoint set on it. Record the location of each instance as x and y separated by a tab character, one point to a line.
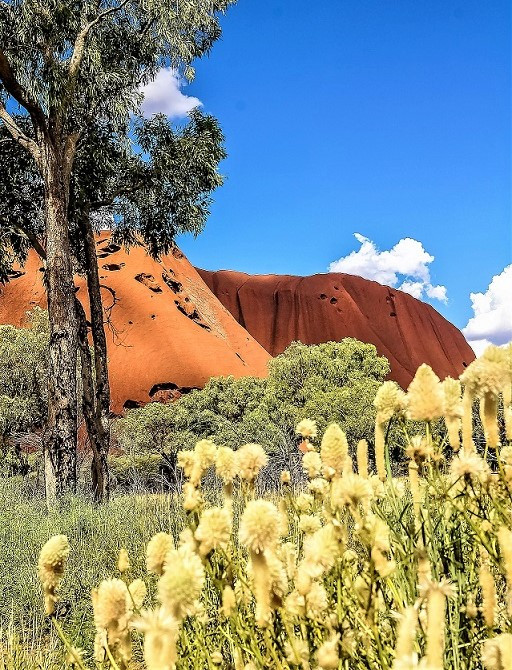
137	471
23	383
335	381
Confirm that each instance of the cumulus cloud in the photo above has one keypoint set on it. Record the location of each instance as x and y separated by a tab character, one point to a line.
404	266
437	292
163	96
491	322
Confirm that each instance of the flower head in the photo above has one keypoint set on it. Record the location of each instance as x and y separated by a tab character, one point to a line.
327	654
497	652
487	374
321	550
260	525
192	497
452	401
389	400
181	584
123	561
319	486
250	458
214	530
51	564
470	466
307	428
226	464
312	464
309	523
112	608
419	450
205	451
189	461
160	634
156	552
425	395
406	637
297	652
334	448
285	477
304	502
351	490
228	601
316	601
52	560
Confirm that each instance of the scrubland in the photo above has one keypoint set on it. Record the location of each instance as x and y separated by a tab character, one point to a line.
352	569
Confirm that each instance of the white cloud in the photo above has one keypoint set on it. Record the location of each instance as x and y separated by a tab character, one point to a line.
491	322
406	262
163	96
438	292
414	288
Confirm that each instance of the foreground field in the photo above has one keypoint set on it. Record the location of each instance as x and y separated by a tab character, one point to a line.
354	570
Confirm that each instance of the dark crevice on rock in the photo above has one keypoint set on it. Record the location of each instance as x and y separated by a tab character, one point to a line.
170	386
148	281
112	267
132	404
173	284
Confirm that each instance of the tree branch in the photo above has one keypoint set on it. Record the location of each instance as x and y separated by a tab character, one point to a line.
28	143
36	244
79	48
125	190
69	153
18	92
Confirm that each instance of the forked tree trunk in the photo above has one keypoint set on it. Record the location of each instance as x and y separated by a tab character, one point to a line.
61	435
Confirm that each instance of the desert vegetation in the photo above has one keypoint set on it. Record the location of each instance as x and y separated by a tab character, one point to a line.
355	568
334	381
321	518
76	152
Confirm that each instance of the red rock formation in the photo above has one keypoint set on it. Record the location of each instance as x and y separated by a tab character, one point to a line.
277	310
166	332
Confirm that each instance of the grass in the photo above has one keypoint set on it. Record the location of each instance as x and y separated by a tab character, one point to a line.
95	533
356	571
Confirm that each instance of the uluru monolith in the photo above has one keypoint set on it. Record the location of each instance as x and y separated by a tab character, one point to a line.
166	332
278	309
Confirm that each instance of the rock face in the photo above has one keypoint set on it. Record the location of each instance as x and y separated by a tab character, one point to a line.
166	332
277	310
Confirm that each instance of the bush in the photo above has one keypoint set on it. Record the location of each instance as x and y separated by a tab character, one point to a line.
335	381
23	383
139	471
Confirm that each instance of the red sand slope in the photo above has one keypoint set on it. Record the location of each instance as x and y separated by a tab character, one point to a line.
277	310
166	331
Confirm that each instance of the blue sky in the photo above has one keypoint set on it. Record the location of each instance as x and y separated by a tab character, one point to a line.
387	118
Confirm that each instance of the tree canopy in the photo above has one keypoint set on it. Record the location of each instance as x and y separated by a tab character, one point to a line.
147	187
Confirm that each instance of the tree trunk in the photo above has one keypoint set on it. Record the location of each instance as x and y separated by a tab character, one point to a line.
97	437
102	385
98	330
62	393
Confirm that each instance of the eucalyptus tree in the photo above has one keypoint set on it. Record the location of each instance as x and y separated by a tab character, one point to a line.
147	187
146	197
67	66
